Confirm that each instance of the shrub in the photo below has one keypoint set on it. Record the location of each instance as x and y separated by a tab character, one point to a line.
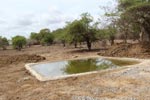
3	43
47	39
18	42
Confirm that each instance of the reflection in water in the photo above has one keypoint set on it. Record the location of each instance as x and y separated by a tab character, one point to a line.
54	69
86	65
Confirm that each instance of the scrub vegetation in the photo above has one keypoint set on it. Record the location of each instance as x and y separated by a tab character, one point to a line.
121	24
122	32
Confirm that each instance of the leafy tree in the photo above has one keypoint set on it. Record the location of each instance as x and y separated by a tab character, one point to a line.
18	42
142	15
125	4
110	19
3	43
43	33
111	28
135	18
35	37
75	30
83	30
47	39
124	26
61	36
89	32
110	33
43	37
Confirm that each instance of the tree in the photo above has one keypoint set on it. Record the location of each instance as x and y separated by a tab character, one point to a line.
47	39
3	43
89	32
111	28
110	33
125	4
35	37
44	32
83	30
43	37
75	30
135	18
61	36
123	27
142	15
18	42
110	25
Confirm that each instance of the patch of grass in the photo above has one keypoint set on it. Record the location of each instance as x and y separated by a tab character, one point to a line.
123	62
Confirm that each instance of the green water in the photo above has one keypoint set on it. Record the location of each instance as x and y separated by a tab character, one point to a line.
78	66
86	65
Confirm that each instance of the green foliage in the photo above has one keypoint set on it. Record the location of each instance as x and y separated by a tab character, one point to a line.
101	34
125	4
35	37
60	35
107	33
136	19
44	37
18	42
82	30
75	30
3	43
47	39
111	32
43	33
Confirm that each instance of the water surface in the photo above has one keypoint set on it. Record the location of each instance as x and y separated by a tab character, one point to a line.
72	67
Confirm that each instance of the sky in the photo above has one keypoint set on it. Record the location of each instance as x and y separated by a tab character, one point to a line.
21	17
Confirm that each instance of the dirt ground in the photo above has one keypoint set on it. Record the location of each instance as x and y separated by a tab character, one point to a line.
119	84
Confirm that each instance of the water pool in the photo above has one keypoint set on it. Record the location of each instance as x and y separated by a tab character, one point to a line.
55	70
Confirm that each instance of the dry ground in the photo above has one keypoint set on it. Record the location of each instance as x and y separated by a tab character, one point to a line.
119	84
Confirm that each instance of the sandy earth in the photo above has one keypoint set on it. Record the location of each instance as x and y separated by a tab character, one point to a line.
16	83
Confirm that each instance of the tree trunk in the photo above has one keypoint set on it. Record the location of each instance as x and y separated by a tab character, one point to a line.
144	35
141	37
80	44
112	42
19	47
4	47
88	44
125	38
75	44
64	44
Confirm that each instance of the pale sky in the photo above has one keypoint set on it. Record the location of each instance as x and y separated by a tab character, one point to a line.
21	17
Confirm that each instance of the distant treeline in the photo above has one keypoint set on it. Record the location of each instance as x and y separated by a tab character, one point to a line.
130	20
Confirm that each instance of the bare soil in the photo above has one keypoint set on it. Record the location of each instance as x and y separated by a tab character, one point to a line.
119	84
128	50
